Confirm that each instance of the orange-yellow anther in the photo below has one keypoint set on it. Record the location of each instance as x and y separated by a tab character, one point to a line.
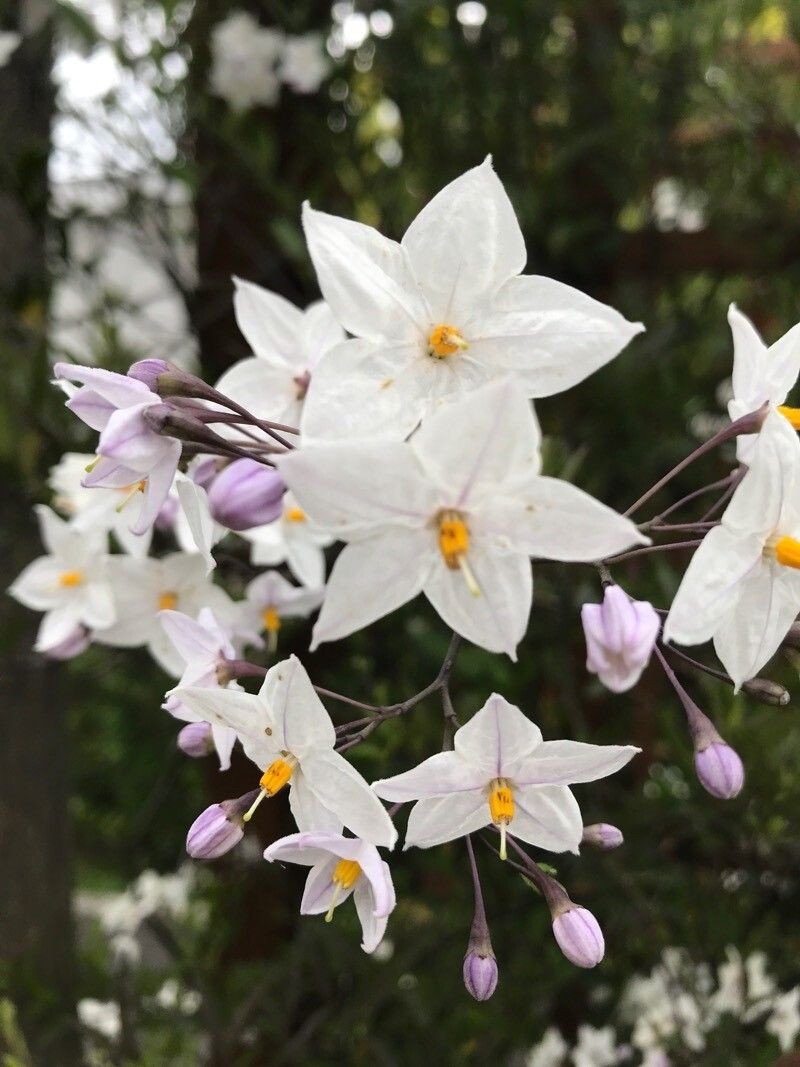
792	415
444	340
167	601
69	579
501	802
787	552
453	539
346	872
276	776
295	514
271	620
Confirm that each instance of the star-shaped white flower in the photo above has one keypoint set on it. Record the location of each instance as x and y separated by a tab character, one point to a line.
455	513
292	539
269	599
341	866
70	584
742	586
761	375
244	59
305	63
784	1022
144	587
443	312
286	731
501	772
287	344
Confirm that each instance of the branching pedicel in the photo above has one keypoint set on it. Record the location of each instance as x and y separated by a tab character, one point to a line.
413	441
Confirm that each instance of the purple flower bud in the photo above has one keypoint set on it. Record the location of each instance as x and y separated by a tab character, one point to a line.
602	835
78	641
219	828
480	974
195	740
719	770
620	635
149	371
579	936
767	692
246	494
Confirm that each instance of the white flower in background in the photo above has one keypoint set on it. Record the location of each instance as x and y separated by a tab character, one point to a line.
244	60
287	344
195	528
144	587
502	773
444	312
293	539
269	599
455	514
172	996
304	62
761	375
9	42
595	1048
742	586
204	646
784	1022
288	734
341	866
550	1052
70	584
102	1016
678	208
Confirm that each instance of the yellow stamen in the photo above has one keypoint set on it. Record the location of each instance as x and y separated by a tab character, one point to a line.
277	775
501	808
69	579
454	545
91	466
131	490
345	874
271	620
295	514
444	340
167	601
792	415
787	552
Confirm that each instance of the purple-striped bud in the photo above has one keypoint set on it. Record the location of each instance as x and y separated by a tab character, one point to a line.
219	828
195	740
246	494
480	974
602	835
620	635
579	935
149	371
719	770
78	641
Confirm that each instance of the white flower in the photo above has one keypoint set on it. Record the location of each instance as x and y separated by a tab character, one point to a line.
102	1016
341	866
292	539
501	772
760	985
287	733
304	63
742	586
203	646
550	1051
269	599
444	312
595	1048
9	42
454	513
761	375
70	584
244	58
287	344
195	528
784	1022
144	587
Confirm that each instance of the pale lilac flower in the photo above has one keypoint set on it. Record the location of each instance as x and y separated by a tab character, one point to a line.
246	494
620	635
341	866
501	772
70	584
270	598
286	731
131	454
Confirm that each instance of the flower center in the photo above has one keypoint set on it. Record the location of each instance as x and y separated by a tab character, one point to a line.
444	340
130	492
501	808
295	514
273	780
69	579
271	620
345	874
792	415
786	551
454	545
167	601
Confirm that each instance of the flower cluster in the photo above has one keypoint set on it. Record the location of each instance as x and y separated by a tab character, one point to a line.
395	416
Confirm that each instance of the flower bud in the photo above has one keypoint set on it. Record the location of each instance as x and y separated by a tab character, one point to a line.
480	974
767	692
78	641
620	634
246	494
219	828
148	371
168	380
602	835
719	770
195	740
579	935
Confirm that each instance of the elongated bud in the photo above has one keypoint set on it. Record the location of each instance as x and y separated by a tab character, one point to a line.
219	828
768	692
171	422
578	935
719	770
480	974
195	740
246	494
148	371
602	835
168	380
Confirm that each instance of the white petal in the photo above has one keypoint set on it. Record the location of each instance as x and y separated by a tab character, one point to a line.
710	587
502	442
364	277
204	531
117	389
266	389
373	927
771	482
437	776
56	626
270	324
548	817
568	762
307	849
309	812
157	487
549	335
440	819
319	890
305	560
465	244
495	737
300	723
57	535
191	640
339	786
372	578
320	331
224	740
782	364
38	586
95	602
748	360
498	618
241	711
